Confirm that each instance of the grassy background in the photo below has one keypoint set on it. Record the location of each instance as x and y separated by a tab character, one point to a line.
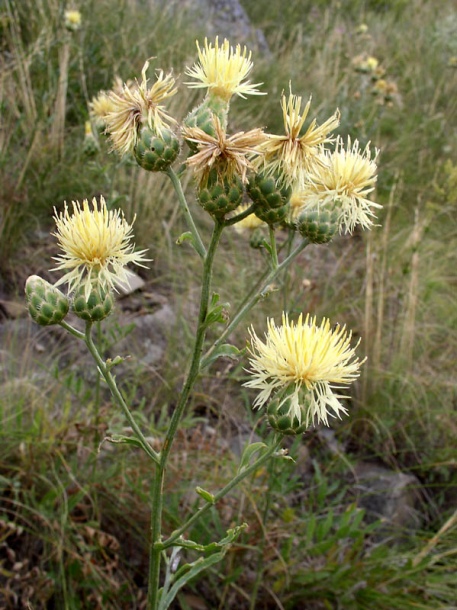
72	524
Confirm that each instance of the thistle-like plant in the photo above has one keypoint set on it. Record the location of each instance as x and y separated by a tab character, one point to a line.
300	367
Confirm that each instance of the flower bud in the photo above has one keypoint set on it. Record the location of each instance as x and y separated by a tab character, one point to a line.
318	225
272	216
282	420
46	304
268	191
257	239
96	308
203	117
156	152
219	195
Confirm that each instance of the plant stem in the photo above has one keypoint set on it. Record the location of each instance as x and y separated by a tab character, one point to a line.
274	251
198	244
253	298
117	394
223	492
194	369
261	544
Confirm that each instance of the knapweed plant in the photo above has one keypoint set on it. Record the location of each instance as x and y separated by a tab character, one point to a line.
306	185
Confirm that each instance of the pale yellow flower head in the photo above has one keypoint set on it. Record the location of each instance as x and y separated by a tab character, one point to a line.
344	179
223	70
248	223
138	105
292	154
72	20
307	360
100	107
229	155
96	246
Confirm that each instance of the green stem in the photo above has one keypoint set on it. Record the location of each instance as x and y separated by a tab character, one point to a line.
194	369
73	331
111	382
198	244
223	492
261	545
274	251
231	221
254	297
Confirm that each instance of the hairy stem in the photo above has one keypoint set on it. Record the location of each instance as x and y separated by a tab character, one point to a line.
111	382
253	297
198	244
194	369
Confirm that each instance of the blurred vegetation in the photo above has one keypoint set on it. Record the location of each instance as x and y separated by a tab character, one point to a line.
73	521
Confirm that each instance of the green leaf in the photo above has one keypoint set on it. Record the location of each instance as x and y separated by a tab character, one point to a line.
222	351
119	439
217	312
248	453
187	236
206	495
190	570
196	567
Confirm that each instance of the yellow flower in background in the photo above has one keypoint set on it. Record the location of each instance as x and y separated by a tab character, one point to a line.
100	107
248	223
344	179
96	246
223	70
138	105
229	155
292	155
306	363
72	20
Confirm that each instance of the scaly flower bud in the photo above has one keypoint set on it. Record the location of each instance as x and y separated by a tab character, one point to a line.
95	308
156	152
318	225
46	304
281	416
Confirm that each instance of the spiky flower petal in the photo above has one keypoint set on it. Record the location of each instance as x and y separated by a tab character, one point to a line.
96	247
222	70
302	362
292	154
138	105
343	179
228	155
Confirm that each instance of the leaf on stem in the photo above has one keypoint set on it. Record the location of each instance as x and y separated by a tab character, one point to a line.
187	236
206	495
225	350
248	453
119	439
217	312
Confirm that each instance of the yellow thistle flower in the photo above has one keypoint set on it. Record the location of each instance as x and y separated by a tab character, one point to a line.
248	223
229	155
136	105
96	248
100	107
343	179
291	155
72	20
222	70
303	362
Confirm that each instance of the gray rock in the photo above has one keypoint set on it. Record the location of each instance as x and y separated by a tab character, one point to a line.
147	340
224	18
388	495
